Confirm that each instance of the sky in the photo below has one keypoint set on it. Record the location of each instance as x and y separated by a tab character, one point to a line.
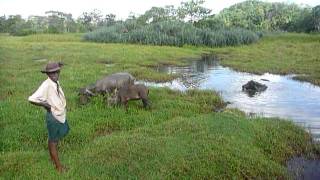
121	8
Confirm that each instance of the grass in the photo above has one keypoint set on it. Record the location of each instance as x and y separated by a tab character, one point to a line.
180	137
171	33
281	54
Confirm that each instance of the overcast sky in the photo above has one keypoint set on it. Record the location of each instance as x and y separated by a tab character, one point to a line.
121	8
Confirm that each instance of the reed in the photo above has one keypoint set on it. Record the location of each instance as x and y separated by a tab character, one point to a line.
172	33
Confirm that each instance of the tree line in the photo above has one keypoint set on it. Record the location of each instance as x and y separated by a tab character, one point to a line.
251	15
265	16
54	22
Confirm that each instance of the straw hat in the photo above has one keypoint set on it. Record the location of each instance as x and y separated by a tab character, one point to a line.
52	67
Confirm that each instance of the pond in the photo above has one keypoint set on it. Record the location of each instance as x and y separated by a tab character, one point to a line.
284	97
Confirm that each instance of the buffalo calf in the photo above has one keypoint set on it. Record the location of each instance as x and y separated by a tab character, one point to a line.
133	92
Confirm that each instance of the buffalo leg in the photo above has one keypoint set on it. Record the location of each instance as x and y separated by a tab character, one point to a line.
125	103
145	102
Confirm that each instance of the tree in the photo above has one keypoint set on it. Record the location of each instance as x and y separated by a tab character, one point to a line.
258	15
38	23
192	10
90	20
155	14
56	21
85	22
316	18
212	22
3	27
18	26
109	19
158	14
281	15
171	12
14	23
69	23
303	22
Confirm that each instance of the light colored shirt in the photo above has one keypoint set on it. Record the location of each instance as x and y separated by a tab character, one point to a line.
49	93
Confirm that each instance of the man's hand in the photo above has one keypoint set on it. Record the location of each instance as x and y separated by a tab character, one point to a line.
47	107
43	104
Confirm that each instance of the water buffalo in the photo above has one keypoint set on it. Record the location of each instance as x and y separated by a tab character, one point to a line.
253	87
85	93
133	92
108	84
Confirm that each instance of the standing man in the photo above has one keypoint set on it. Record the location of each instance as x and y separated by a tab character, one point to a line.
50	96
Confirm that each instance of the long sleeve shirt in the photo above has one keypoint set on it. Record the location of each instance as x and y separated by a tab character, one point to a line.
50	92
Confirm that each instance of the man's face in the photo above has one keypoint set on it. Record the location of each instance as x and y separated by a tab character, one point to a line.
54	76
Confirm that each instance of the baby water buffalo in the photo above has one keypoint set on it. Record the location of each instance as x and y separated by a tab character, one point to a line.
133	92
108	84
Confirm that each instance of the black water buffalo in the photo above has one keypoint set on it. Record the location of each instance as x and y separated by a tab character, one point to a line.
253	87
133	92
108	84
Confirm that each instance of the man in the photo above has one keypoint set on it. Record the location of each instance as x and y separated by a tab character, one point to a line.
50	96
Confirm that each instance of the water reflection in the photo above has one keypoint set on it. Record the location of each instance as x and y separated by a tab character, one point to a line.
284	97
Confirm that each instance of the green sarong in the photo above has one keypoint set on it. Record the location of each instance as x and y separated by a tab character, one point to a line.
56	129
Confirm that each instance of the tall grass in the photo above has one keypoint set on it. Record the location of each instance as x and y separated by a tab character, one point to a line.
173	33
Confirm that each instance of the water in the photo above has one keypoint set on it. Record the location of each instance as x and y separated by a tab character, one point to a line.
304	168
284	97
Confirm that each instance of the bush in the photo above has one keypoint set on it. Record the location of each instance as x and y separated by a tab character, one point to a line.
21	30
172	33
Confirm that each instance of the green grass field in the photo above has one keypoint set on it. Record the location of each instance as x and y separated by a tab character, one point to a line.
281	54
179	137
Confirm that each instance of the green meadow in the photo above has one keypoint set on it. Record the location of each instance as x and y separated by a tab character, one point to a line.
278	53
180	137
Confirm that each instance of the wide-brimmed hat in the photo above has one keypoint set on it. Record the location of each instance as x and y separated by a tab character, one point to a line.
52	67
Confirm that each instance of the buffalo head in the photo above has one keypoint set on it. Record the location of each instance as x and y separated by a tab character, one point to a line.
84	95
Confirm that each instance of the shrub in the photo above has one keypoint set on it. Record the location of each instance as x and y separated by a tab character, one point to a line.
172	33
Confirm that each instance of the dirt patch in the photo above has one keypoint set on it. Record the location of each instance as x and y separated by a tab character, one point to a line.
104	61
107	63
105	131
39	59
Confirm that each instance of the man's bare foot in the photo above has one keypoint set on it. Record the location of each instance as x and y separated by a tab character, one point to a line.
62	169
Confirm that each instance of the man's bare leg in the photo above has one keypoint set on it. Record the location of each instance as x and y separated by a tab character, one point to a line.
52	146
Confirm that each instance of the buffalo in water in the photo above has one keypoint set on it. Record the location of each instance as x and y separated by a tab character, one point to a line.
108	84
253	87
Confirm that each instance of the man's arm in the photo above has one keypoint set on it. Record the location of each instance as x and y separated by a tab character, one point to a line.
43	104
39	97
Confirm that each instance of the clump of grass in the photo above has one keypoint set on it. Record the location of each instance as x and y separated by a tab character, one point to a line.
210	146
172	33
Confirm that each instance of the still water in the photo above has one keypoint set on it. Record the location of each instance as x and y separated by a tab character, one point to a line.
284	97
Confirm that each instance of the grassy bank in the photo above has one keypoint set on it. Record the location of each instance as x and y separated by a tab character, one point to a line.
180	137
281	54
